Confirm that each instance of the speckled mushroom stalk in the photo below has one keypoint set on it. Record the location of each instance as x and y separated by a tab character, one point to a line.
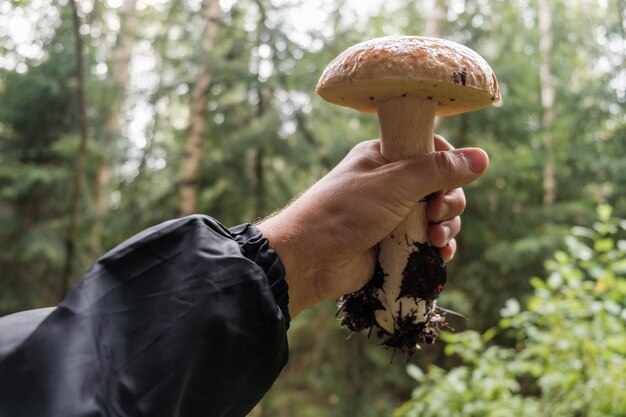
406	130
406	81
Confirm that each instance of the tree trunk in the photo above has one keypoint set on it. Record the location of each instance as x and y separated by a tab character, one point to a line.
118	66
547	102
621	16
79	172
259	181
433	26
462	136
260	189
264	94
190	170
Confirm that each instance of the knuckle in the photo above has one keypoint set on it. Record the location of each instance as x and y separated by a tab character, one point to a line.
442	144
456	228
366	155
445	163
366	146
457	203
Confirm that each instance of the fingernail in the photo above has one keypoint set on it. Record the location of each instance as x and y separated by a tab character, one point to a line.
477	160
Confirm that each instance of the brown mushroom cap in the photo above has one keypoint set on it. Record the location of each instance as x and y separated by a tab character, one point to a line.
454	76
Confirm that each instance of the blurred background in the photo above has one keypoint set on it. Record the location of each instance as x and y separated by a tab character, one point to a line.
119	114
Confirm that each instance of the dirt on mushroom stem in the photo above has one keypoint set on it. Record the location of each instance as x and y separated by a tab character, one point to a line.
423	279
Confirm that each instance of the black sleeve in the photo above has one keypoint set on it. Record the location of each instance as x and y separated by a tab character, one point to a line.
187	318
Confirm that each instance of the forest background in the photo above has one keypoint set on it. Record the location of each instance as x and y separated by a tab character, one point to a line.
119	114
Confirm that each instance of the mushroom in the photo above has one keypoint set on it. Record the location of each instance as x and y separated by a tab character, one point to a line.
406	81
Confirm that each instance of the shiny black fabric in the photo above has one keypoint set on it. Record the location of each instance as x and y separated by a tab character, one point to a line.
187	318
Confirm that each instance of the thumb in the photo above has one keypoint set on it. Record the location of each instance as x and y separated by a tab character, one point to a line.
446	170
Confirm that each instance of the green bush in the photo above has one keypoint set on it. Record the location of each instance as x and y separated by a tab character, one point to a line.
565	353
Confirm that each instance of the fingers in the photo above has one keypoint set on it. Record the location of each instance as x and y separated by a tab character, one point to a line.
444	170
441	144
443	211
440	234
447	252
445	205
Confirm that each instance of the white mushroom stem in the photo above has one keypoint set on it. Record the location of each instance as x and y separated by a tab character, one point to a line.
406	129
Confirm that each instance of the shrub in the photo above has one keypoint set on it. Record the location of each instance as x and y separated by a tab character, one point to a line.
567	356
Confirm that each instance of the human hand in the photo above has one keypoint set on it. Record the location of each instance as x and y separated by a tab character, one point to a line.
327	237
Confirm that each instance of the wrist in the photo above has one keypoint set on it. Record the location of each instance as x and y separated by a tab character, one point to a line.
284	237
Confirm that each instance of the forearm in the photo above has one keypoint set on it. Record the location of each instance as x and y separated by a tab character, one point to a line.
162	325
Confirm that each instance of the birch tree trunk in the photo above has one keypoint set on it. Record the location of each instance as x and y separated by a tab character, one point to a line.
79	171
547	89
190	169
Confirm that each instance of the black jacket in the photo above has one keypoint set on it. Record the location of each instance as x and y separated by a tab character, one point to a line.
187	318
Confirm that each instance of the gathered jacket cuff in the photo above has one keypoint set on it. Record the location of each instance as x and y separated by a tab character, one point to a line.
256	247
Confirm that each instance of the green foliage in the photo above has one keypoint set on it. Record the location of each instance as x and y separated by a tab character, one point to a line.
269	137
569	353
507	229
37	147
332	375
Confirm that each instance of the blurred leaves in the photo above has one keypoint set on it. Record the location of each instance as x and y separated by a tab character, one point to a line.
569	355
